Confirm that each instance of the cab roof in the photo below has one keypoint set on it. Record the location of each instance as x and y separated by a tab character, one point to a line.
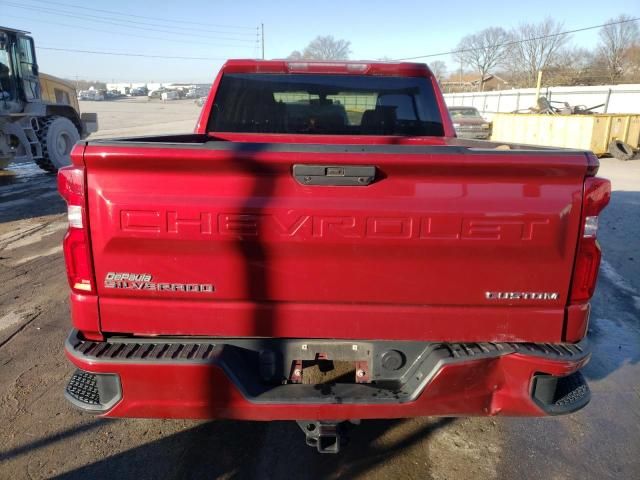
13	30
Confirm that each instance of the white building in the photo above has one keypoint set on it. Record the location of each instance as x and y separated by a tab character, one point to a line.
124	87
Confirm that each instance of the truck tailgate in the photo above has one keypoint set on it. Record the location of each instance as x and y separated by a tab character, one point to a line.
220	239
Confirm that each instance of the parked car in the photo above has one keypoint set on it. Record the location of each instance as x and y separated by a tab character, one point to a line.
90	95
169	95
157	93
139	91
469	123
197	93
292	260
113	95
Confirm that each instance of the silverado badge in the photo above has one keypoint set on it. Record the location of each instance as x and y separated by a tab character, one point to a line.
142	281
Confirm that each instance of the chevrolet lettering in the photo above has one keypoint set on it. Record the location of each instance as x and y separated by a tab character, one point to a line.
313	226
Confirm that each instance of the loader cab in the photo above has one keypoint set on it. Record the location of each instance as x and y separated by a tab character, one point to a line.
19	82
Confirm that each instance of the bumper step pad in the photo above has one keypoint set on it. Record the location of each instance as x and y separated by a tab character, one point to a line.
571	390
93	392
561	395
83	387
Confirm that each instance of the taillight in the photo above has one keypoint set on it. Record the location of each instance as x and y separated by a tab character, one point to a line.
77	252
597	193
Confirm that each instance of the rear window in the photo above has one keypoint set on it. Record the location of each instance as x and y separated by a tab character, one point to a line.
464	112
325	105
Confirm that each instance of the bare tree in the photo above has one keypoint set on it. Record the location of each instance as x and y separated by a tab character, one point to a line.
483	51
295	55
324	48
439	69
536	46
616	42
633	70
572	66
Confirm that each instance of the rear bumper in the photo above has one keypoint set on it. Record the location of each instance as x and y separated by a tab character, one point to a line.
243	379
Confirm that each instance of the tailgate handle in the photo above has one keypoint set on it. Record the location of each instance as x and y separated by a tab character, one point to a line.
335	175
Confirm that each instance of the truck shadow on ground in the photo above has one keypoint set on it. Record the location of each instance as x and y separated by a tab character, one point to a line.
614	330
256	450
50	440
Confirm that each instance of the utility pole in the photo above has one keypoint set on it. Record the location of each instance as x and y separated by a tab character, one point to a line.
538	85
262	29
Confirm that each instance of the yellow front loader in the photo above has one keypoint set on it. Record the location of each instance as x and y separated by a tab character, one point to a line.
40	118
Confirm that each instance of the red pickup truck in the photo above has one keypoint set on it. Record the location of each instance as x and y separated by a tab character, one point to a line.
324	249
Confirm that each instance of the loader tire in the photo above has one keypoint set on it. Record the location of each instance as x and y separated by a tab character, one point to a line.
620	150
57	136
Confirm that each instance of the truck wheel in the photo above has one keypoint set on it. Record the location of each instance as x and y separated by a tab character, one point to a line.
620	150
57	136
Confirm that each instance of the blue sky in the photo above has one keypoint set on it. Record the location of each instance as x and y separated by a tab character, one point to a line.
217	30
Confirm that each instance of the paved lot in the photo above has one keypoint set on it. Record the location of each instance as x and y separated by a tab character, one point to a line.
41	436
134	116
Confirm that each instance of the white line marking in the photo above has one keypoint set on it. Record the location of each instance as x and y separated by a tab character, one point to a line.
46	253
36	236
9	319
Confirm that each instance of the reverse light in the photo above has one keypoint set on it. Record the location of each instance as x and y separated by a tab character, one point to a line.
74	216
597	193
77	253
590	227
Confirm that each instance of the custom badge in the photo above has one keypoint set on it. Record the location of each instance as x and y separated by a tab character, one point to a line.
521	295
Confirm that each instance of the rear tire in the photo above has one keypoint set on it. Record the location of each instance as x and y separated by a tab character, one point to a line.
620	150
57	136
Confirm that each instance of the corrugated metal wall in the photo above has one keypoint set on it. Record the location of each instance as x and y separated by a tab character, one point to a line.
614	98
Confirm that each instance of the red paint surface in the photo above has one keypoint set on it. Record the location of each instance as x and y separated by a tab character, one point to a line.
416	250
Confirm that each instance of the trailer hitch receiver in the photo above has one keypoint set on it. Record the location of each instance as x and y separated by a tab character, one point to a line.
326	436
